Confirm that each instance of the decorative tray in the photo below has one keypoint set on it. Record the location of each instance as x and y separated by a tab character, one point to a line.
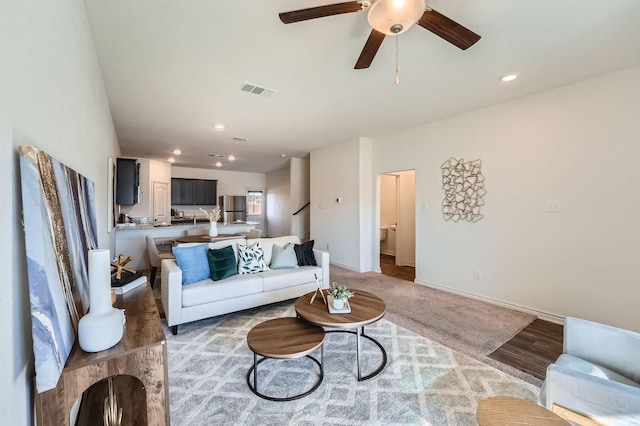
332	310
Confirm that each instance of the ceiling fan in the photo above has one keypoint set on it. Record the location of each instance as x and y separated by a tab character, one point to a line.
390	17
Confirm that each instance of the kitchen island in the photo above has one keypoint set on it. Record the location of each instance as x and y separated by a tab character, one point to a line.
131	238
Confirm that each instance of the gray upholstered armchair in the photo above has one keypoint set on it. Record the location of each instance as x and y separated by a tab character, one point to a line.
597	378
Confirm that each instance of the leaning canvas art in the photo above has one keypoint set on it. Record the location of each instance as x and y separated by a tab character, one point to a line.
60	228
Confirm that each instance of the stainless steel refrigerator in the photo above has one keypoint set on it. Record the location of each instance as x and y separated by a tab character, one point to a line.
233	208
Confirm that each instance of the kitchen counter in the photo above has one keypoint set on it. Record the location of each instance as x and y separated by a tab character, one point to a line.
130	239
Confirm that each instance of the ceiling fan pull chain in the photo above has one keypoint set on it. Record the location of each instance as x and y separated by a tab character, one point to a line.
397	63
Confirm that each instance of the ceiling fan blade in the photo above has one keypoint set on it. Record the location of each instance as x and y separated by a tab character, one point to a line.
448	29
370	49
320	12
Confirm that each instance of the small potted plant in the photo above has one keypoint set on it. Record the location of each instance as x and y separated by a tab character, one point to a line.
340	294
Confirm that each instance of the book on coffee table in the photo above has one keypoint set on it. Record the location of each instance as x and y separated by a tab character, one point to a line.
137	282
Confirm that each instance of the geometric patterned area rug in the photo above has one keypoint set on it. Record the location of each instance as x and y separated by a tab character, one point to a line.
424	383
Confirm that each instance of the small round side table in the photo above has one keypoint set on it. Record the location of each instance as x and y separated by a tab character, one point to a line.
505	411
284	338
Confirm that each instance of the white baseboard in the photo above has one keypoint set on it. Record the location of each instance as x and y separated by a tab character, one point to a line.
558	319
388	252
350	268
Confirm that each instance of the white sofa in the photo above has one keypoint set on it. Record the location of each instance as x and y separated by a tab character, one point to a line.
208	298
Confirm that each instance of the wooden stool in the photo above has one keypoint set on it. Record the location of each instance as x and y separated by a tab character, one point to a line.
284	338
504	411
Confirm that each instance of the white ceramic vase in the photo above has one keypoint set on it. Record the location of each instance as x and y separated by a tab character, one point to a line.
213	229
103	326
338	303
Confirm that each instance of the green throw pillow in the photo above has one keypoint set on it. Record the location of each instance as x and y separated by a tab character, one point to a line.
283	258
222	263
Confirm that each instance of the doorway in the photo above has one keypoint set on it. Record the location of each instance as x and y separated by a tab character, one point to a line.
397	224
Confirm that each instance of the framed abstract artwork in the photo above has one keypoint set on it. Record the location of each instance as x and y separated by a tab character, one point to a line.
60	228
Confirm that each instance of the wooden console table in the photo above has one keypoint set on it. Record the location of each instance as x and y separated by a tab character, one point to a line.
142	353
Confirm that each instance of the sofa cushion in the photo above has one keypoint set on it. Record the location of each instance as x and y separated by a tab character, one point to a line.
283	278
251	259
226	243
222	263
304	253
193	262
207	291
283	258
267	244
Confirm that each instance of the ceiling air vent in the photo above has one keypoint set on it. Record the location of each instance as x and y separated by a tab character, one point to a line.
238	138
256	90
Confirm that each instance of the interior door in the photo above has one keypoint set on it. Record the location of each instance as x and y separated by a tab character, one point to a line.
161	202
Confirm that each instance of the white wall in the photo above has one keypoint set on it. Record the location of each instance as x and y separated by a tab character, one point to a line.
388	211
406	231
279	207
229	183
299	182
52	97
578	145
335	173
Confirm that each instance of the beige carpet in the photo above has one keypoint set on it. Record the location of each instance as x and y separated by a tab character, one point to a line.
466	325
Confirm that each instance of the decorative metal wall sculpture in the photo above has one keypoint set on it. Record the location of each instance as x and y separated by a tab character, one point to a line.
464	190
60	228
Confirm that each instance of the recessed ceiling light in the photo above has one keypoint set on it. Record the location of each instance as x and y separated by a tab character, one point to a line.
218	164
171	160
177	152
283	155
232	157
510	76
219	126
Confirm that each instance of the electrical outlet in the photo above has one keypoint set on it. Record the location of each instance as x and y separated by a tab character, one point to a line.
477	274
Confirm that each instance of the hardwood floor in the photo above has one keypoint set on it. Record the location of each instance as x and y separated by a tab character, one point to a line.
531	350
389	267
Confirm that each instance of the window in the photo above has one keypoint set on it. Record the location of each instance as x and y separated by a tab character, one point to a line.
254	202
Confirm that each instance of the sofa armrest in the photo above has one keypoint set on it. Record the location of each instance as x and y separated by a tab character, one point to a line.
322	259
614	348
603	400
171	291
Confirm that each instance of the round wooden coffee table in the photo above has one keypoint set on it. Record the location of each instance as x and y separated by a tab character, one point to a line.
284	338
504	411
366	309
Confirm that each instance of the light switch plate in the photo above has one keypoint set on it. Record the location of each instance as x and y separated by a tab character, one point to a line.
553	206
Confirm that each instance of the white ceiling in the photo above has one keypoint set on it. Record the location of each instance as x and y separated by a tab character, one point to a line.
173	68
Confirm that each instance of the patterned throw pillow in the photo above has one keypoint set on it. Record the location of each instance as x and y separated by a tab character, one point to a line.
251	259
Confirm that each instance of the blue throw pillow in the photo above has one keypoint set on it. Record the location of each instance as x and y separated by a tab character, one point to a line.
194	262
283	258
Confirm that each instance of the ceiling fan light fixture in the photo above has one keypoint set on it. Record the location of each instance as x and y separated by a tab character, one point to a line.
393	17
